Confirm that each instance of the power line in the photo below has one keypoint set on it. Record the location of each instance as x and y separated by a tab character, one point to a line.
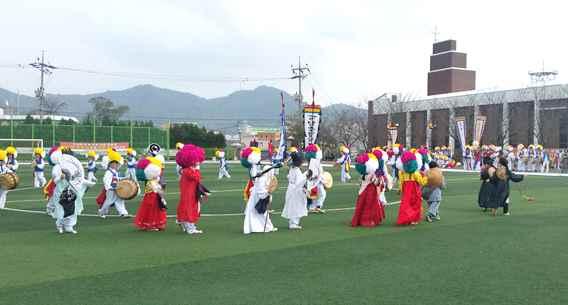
148	76
173	77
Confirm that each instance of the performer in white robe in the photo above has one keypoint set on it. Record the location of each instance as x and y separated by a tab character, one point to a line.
255	221
179	146
397	150
316	189
510	155
110	181
91	165
56	176
39	167
467	158
274	159
545	161
11	155
54	158
345	162
131	164
531	158
223	166
295	206
69	202
3	170
522	158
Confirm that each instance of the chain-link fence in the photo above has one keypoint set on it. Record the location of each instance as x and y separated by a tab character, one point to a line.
52	133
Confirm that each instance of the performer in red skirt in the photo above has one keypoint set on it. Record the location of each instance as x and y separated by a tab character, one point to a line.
191	190
411	180
369	212
151	215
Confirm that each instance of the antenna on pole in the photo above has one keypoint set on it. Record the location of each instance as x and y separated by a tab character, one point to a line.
539	79
543	76
436	33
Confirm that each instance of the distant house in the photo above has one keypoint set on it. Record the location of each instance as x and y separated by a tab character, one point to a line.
261	135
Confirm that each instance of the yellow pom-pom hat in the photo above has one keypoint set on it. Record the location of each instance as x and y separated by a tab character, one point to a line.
39	151
114	156
11	150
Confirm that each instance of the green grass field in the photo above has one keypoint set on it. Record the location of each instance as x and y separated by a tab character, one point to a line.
466	258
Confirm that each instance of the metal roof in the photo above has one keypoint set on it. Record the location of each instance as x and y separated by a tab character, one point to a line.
384	105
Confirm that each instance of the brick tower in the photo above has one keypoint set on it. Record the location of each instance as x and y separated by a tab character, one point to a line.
448	70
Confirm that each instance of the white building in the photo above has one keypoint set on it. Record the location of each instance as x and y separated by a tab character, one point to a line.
22	117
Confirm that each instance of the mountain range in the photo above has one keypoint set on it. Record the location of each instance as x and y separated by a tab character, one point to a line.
260	107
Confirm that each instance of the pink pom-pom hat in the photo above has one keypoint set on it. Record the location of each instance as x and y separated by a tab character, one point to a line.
407	156
190	155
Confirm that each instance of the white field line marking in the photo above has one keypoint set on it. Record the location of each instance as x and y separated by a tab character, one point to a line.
23	189
204	215
517	172
167	193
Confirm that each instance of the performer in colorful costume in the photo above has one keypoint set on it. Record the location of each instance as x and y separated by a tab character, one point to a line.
38	165
257	216
345	162
223	165
295	206
130	164
411	180
382	173
108	196
424	154
11	155
154	150
189	207
151	215
369	211
3	170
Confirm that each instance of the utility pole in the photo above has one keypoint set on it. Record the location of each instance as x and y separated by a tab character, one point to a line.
300	72
44	69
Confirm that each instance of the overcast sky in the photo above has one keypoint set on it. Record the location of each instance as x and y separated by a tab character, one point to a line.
356	49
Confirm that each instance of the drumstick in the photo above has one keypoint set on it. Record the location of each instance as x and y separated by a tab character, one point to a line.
277	165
